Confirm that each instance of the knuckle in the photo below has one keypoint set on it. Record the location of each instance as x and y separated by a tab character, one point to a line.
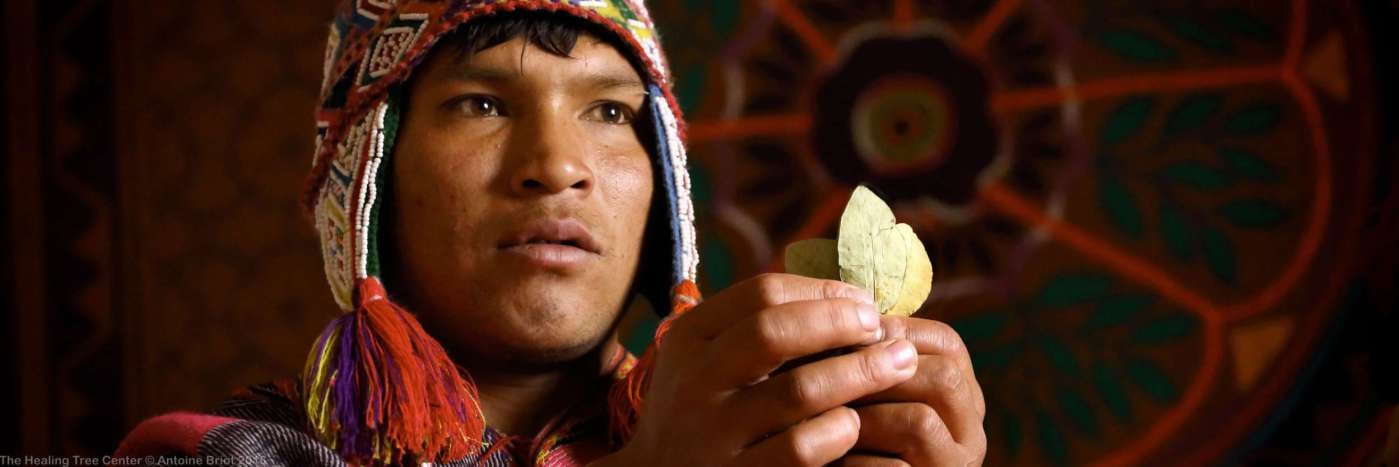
979	398
844	315
832	289
948	337
925	424
871	366
945	375
769	287
798	450
804	393
978	443
768	335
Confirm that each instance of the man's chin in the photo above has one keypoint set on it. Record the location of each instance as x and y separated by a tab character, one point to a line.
543	356
524	335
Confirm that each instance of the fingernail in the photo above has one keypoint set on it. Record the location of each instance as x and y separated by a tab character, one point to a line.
901	354
869	319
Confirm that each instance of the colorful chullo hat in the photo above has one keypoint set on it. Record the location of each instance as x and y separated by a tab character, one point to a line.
378	389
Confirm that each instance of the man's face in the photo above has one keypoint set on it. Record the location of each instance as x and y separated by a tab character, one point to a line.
520	194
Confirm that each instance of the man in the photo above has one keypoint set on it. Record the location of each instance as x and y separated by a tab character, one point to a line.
513	174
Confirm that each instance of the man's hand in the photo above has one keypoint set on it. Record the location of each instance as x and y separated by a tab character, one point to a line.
713	399
932	419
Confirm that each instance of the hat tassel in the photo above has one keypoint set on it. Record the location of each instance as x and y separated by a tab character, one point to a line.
379	388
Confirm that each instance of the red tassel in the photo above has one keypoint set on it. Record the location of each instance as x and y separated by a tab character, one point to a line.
625	398
383	391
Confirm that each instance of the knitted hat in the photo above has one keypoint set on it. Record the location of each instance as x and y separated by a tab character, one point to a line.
378	388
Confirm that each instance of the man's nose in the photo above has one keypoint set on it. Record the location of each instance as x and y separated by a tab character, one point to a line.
552	157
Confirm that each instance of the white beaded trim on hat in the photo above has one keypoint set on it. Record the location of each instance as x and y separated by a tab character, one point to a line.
367	189
685	208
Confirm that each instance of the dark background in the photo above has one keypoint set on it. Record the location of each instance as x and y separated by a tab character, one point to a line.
156	258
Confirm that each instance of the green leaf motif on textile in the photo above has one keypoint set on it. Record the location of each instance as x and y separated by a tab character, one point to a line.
1120	205
1126	120
1135	46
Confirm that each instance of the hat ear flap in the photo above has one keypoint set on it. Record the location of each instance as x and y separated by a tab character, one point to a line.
655	278
379	389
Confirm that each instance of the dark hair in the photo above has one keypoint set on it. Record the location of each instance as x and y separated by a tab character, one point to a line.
553	32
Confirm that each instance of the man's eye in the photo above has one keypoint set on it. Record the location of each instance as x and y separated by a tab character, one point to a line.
479	106
612	113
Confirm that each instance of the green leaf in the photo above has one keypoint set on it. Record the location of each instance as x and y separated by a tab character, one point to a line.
1177	231
1219	254
1197	34
1079	412
1246	25
981	326
1151	379
1192	112
1163	330
1253	213
1112	393
1195	175
1126	120
1113	311
1249	165
1052	442
1072	289
1135	46
1120	205
1257	118
1060	357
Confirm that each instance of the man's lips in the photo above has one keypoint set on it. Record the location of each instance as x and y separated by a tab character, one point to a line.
567	232
552	243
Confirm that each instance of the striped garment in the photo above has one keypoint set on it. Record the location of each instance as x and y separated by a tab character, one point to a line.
265	425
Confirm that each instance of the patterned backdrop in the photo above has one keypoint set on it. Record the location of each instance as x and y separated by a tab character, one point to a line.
1166	232
1142	217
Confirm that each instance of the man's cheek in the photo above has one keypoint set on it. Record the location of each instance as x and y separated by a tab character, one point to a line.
629	187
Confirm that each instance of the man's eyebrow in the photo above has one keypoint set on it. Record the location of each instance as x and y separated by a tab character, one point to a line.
599	81
491	75
605	81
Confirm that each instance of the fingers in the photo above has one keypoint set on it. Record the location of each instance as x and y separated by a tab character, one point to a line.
935	338
816	441
929	336
775	335
730	306
816	387
870	460
912	431
942	385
